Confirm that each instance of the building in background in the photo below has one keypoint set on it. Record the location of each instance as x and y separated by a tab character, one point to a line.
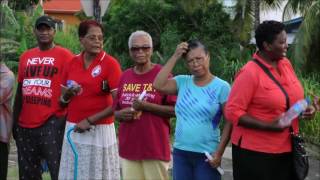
63	11
292	27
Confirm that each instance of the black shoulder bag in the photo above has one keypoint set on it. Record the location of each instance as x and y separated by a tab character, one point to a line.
300	157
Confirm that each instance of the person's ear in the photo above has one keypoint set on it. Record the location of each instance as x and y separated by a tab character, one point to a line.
266	46
80	39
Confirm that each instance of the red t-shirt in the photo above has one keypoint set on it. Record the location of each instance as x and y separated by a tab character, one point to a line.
148	136
254	93
91	99
40	74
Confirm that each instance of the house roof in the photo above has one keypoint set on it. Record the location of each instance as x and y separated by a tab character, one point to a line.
62	6
294	21
293	25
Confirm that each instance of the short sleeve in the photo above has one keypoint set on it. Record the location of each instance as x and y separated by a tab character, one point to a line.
68	56
115	105
64	75
114	73
180	79
225	91
241	94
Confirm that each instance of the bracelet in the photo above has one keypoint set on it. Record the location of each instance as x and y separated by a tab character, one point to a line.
88	120
63	100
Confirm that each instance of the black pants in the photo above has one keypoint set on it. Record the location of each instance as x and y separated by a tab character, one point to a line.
4	152
252	165
35	144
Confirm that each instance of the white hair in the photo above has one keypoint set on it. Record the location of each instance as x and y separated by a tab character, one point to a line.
139	33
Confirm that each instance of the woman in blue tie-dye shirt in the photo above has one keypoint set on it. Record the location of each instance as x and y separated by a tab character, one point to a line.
201	97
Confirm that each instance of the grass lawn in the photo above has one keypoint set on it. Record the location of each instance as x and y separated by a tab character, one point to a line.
13	174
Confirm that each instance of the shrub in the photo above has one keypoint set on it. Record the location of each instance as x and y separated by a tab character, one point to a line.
311	129
68	39
210	25
13	66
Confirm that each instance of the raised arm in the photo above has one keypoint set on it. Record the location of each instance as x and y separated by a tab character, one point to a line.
162	83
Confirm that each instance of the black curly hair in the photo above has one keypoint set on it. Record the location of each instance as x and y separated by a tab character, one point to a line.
267	32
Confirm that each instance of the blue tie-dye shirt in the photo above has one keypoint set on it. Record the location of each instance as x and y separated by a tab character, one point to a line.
199	111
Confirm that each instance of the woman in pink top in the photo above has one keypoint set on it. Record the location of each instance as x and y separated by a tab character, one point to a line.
261	146
6	94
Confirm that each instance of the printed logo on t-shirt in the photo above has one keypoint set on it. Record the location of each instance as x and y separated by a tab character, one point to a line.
37	85
74	84
130	91
96	71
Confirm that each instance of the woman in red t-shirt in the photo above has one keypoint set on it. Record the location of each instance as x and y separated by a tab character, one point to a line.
90	82
144	137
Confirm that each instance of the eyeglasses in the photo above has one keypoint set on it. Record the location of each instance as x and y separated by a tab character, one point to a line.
93	38
199	60
137	49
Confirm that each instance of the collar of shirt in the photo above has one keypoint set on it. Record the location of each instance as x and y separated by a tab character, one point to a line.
260	59
99	57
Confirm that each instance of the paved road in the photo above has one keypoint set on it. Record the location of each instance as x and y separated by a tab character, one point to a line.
314	171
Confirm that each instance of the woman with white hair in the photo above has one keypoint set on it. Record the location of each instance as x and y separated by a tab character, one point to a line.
144	132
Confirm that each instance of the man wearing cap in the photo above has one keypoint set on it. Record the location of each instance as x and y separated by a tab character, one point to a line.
38	120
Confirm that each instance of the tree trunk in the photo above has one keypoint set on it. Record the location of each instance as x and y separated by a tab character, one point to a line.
256	8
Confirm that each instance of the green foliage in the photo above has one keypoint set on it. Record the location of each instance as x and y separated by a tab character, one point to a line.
244	18
22	4
8	23
306	52
82	16
9	28
294	7
68	39
210	25
17	32
13	66
311	129
8	48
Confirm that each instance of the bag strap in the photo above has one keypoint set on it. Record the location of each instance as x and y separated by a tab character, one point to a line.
266	70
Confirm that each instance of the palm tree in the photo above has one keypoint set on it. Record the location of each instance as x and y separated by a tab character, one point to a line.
306	52
189	6
293	7
247	16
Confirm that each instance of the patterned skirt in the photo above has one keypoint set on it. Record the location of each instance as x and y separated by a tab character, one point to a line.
98	156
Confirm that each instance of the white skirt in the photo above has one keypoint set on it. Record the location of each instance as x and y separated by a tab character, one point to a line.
98	156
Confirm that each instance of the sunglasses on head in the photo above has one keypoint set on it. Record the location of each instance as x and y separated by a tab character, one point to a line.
143	48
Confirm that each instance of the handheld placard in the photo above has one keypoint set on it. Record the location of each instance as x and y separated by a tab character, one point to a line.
219	169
